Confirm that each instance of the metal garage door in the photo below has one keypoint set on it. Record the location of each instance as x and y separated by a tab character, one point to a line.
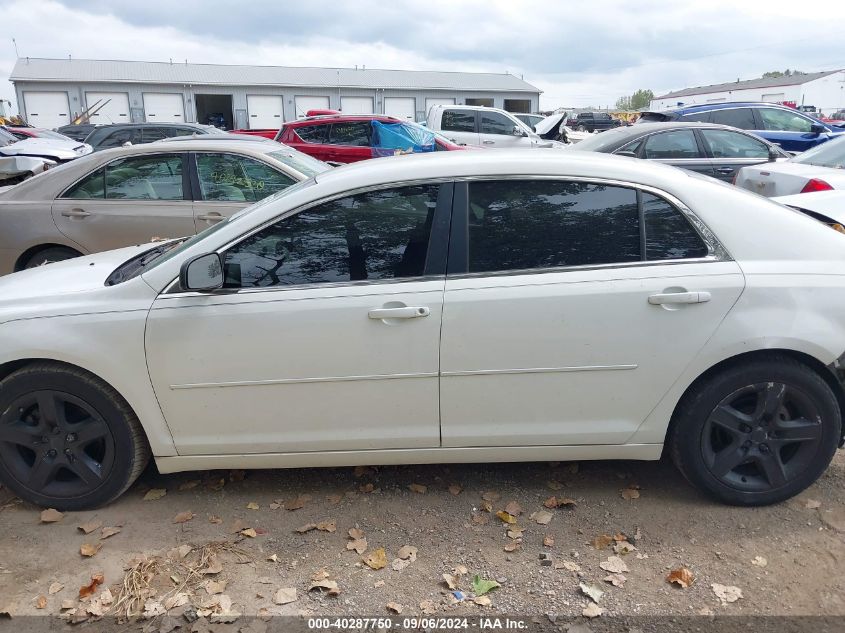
46	109
163	107
356	105
115	110
303	104
430	103
265	111
401	107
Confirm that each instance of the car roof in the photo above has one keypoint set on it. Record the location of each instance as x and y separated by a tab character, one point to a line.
112	126
326	118
701	107
616	137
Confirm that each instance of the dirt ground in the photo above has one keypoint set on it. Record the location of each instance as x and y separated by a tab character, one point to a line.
785	560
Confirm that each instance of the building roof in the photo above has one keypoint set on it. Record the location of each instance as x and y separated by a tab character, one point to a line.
115	71
767	82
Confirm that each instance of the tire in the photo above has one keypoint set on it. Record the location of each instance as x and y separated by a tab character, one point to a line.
50	256
581	128
757	432
67	439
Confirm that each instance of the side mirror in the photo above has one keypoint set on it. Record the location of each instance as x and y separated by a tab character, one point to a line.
518	131
202	273
817	128
774	154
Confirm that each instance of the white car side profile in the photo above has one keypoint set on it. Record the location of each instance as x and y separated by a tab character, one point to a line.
447	307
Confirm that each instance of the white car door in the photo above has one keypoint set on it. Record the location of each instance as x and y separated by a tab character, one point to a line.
556	329
325	336
459	126
497	130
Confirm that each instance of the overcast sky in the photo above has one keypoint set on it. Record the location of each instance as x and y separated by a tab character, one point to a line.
577	56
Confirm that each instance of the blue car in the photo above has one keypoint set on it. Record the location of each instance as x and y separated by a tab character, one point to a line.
789	128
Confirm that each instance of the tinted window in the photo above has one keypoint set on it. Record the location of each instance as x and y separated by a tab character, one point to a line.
784	120
668	145
182	131
668	234
701	117
145	178
495	123
119	137
233	178
91	187
458	121
516	225
354	133
367	237
150	134
743	118
313	133
727	144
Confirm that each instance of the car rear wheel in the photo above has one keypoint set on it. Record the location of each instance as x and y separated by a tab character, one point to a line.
67	439
581	128
50	256
756	433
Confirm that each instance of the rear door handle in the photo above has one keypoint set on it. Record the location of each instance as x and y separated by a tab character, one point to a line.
407	312
679	297
75	213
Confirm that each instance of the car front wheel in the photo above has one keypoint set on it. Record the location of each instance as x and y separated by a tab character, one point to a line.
67	439
756	433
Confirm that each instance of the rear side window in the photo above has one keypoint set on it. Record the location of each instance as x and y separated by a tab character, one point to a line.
119	137
784	120
150	134
234	178
698	117
495	123
458	121
312	133
157	177
669	145
743	118
668	233
356	134
521	225
728	144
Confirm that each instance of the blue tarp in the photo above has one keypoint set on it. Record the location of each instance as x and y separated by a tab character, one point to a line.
390	139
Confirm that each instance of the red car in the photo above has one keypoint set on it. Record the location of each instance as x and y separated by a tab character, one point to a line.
23	133
342	138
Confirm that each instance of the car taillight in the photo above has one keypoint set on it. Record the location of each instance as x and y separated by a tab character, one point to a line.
815	184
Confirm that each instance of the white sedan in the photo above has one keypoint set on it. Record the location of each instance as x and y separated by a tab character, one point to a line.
447	307
821	168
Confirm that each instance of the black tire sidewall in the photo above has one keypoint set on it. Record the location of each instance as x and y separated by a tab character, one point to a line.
687	433
110	408
52	255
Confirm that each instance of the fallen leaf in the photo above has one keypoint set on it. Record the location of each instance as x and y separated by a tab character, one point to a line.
813	504
41	602
592	610
320	574
273	558
359	545
491	495
90	526
482	601
298	502
600	542
238	526
152	609
512	546
515	532
302	529
366	488
407	552
759	561
110	531
486	506
213	566
568	566
329	586
418	488
285	595
455	489
91	588
506	517
617	580
542	517
399	564
551	502
51	516
178	553
566	502
450	580
327	526
254	506
213	518
90	549
188	485
481	586
681	576
176	600
216	484
548	540
394	607
55	588
376	559
428	607
614	565
155	493
630	493
623	548
68	604
591	591
513	508
479	519
249	532
726	594
183	517
355	533
106	597
215	586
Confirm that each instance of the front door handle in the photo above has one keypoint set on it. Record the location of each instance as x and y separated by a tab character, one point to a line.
679	297
211	217
407	312
75	213
489	142
725	170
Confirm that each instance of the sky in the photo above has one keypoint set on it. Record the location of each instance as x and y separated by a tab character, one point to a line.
578	53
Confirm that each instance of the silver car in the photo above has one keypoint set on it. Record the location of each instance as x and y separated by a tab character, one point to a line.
131	195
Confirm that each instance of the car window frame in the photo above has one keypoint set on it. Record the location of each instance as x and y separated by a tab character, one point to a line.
476	120
196	188
457	263
186	182
480	122
702	134
325	126
363	124
701	149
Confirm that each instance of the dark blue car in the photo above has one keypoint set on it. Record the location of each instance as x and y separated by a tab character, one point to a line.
794	131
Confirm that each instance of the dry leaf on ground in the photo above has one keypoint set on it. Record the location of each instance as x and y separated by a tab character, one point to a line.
631	492
215	586
681	576
366	488
154	494
513	508
591	591
418	488
428	607
109	531
491	495
602	541
759	561
542	517
548	540
55	588
614	565
554	485
249	533
328	586
327	526
90	526
568	565
506	517
41	602
592	610
623	547
482	601
90	549
183	517
91	588
407	552
285	595
376	559
617	580
253	506
450	580
395	607
213	566
455	489
51	516
188	485
358	544
515	532
725	593
512	546
355	533
302	529
298	502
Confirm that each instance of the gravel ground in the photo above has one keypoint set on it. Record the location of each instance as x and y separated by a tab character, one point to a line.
241	530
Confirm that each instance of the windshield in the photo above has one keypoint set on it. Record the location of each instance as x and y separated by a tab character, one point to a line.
55	135
6	138
830	154
610	139
303	163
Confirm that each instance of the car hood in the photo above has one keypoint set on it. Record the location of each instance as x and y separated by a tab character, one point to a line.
73	286
549	123
50	147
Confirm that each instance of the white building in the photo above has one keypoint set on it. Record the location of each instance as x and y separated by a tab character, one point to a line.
825	91
51	92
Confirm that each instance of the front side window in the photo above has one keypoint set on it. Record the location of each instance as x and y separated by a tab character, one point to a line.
727	144
157	177
784	120
92	187
371	236
312	133
668	233
356	134
458	121
743	118
669	145
527	224
495	123
234	178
